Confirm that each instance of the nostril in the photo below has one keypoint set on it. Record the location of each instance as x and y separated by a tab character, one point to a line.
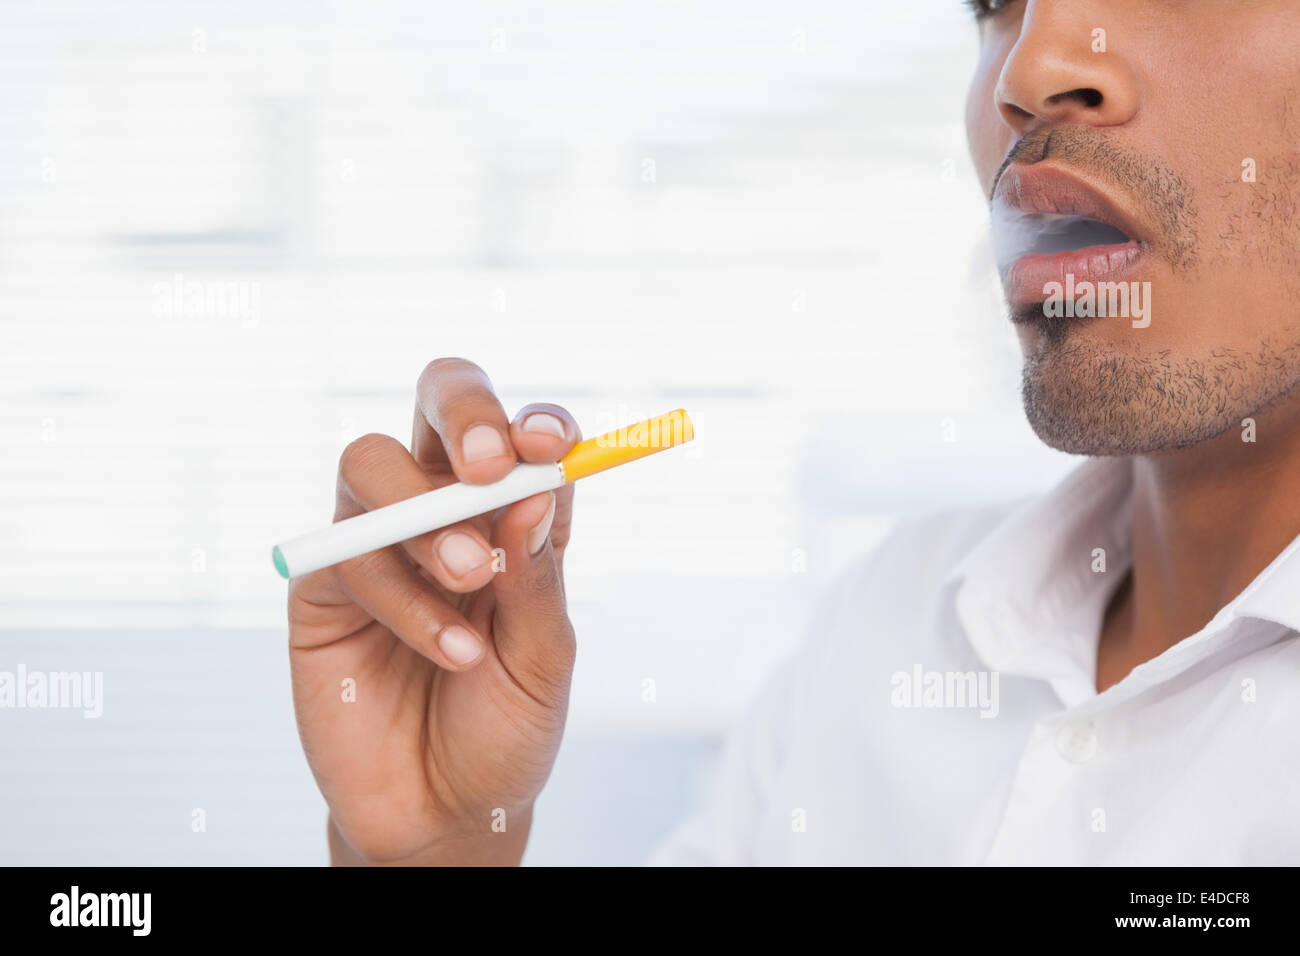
1089	97
1019	119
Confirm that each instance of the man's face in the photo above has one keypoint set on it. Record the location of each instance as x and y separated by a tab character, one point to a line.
1168	150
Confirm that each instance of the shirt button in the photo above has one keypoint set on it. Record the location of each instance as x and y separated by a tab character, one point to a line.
1077	743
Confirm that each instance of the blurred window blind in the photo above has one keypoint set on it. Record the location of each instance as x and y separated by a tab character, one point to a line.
231	238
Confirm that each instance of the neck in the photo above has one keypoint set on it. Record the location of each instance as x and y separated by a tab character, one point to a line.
1206	521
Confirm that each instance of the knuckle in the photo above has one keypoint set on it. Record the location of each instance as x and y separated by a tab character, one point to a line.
454	391
357	569
467	402
559	537
412	608
549	673
302	611
565	644
409	608
440	367
362	454
544	593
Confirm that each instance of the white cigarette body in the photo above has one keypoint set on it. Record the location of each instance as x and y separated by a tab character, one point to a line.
445	506
407	519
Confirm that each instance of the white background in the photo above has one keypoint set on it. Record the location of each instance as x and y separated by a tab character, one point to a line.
760	211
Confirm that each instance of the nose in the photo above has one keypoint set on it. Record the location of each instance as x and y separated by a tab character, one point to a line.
1061	70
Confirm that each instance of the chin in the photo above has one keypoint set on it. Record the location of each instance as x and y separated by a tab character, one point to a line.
1086	400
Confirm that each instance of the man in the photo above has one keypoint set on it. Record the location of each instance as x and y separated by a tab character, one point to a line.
1105	675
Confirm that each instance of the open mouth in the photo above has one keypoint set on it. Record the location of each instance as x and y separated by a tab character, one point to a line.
1017	234
1049	234
1052	230
1043	255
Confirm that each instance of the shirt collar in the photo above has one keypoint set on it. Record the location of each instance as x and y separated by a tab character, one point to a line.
1032	595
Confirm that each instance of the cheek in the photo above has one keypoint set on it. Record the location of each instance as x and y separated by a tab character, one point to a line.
1234	140
1251	207
987	137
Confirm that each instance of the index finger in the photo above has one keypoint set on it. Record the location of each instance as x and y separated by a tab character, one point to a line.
459	423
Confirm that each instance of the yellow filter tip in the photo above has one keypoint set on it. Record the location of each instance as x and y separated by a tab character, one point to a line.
627	444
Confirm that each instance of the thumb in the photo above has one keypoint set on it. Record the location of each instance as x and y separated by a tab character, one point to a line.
531	630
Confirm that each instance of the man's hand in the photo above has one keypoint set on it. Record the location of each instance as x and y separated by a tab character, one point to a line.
430	688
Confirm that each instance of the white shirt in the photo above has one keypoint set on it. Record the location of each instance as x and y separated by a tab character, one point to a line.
1193	758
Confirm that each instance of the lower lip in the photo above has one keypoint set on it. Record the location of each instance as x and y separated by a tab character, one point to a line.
1029	275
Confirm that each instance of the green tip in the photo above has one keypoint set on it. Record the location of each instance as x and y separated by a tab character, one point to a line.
280	566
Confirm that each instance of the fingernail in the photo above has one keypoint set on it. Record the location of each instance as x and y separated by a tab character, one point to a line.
544	423
460	554
460	646
537	537
482	442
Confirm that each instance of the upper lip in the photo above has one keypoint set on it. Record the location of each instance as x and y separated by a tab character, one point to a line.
1046	188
